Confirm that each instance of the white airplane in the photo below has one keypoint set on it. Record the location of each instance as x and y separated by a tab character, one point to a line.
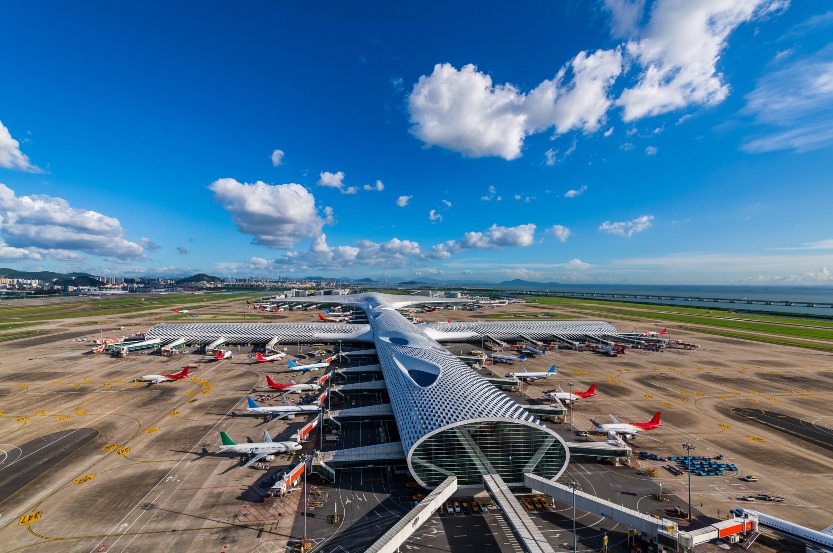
280	411
221	354
626	430
820	541
158	378
568	397
506	358
180	310
530	376
256	450
312	367
293	387
277	357
335	317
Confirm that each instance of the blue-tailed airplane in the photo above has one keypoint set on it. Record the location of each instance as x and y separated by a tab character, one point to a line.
282	411
506	358
530	376
312	367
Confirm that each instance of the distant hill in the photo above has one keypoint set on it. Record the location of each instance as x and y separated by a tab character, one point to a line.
48	276
83	280
201	277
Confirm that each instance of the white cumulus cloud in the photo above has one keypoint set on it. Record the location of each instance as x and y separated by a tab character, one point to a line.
49	226
434	216
651	151
10	155
378	187
560	232
402	201
277	216
576	192
335	180
627	228
277	156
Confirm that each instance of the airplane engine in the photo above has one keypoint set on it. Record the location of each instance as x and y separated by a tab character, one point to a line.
290	416
628	436
269	458
611	435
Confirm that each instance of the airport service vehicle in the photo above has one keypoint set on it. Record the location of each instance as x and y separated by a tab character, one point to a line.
256	450
159	378
819	540
531	376
312	367
276	357
625	430
496	358
570	397
287	410
295	388
221	354
750	478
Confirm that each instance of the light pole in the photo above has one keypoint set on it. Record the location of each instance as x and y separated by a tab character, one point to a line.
688	448
304	543
570	385
574	485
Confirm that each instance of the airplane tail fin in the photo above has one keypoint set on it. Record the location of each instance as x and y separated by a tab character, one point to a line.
552	370
184	372
559	389
655	420
252	404
320	316
226	440
449	320
273	384
327	311
260	357
218	355
664	331
266	437
522	356
591	390
292	364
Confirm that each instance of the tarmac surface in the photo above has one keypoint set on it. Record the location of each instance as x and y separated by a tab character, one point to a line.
134	476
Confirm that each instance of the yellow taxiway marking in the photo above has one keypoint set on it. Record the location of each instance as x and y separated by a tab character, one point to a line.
62	418
107	384
802	371
57	381
647	396
700	369
110	447
755	439
82	479
123	451
772	399
667	404
722	398
22	419
724	426
754	392
681	398
735	393
80	411
206	392
118	380
28	519
192	400
701	394
76	385
22	385
138	384
41	413
151	430
681	392
174	413
189	394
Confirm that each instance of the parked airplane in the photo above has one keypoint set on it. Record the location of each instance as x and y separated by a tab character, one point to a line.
570	397
311	367
662	332
530	376
180	310
280	411
822	540
256	450
220	354
332	319
293	387
496	358
157	378
277	357
626	430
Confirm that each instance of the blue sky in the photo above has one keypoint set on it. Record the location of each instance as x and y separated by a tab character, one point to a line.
609	141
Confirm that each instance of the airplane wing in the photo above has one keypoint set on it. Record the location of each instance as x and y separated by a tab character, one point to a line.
255	459
613	419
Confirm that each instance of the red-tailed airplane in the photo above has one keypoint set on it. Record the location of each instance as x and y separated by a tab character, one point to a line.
333	318
626	430
180	310
220	354
157	378
567	397
293	387
277	357
662	332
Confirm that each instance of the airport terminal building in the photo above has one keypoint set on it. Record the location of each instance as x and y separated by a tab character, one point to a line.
451	420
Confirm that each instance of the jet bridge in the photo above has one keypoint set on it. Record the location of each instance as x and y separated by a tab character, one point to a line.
494	340
416	517
218	343
272	343
525	529
532	341
567	342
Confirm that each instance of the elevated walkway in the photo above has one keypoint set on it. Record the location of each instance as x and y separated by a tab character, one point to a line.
661	529
219	342
358	387
356	353
503	382
416	517
532	341
377	368
600	449
368	412
597	340
544	411
500	343
273	342
388	454
525	529
567	342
